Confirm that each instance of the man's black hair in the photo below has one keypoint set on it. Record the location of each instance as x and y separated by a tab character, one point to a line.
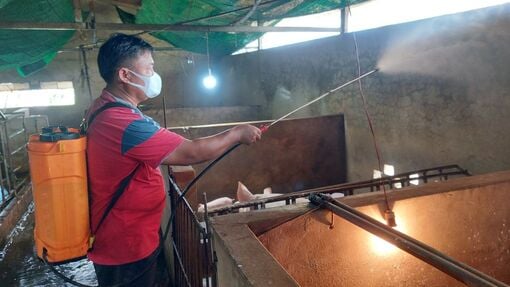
116	51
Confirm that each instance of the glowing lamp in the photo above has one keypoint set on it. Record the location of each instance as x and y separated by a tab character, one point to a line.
209	81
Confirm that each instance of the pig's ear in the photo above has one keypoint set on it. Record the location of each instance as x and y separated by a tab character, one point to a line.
243	194
268	190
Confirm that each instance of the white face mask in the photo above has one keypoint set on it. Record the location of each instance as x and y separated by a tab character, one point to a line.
151	86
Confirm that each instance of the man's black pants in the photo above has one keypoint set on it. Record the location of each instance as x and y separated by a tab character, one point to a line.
156	273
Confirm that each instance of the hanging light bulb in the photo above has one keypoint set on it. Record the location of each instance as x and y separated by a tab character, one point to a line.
189	59
209	81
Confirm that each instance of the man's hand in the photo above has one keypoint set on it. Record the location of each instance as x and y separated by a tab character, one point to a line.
247	134
207	148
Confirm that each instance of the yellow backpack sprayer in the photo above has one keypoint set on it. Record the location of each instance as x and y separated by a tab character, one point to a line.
59	185
58	167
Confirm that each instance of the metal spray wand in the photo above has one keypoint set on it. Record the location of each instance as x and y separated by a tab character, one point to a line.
267	126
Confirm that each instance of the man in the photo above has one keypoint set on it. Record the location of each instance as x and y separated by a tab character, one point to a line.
123	141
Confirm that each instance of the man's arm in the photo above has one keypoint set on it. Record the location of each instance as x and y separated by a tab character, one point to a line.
208	148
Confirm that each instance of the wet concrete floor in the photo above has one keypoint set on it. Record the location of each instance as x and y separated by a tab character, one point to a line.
20	266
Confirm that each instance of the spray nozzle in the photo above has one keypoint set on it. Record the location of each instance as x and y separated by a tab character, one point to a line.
389	215
264	128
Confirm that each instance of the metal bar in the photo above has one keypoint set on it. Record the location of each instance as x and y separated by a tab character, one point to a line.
164	111
6	200
3	198
226	13
448	265
214	16
21	183
77	11
186	248
56	26
343	20
92	47
18	150
41	26
172	193
91	21
5	153
205	235
210	264
180	264
345	188
376	183
195	254
86	71
16	133
208	28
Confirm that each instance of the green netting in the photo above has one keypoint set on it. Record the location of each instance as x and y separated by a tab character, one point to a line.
29	51
178	11
4	2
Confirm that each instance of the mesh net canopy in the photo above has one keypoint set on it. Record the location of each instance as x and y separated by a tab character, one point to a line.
31	50
223	13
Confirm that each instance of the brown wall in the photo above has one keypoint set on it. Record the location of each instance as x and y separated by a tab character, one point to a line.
292	155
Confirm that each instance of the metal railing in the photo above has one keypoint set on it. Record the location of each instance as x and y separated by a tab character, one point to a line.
441	173
191	242
14	172
13	158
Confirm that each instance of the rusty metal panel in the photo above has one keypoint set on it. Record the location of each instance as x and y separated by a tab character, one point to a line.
293	155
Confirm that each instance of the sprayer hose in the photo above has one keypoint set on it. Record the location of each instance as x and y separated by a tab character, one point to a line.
192	182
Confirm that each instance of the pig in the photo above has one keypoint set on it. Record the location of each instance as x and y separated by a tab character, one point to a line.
215	204
244	195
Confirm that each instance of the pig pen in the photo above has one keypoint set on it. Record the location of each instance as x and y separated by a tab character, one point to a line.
293	155
302	245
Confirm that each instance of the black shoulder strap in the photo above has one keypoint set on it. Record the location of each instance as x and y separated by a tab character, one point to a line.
124	183
120	190
85	124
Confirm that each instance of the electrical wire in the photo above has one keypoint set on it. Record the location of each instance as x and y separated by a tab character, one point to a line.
207	50
369	120
248	15
209	17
